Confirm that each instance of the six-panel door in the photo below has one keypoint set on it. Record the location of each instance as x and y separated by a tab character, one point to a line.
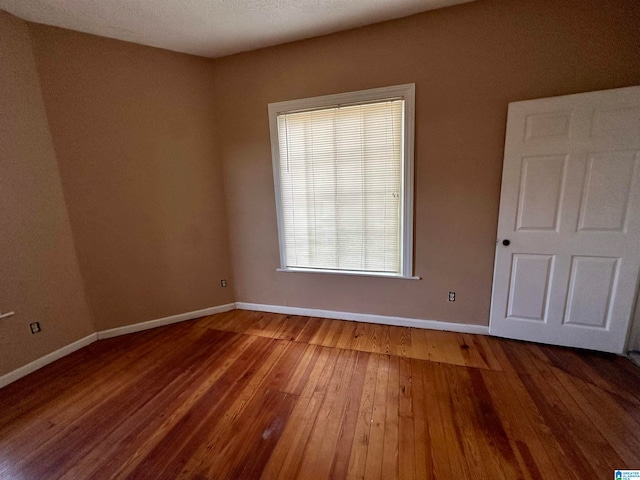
570	206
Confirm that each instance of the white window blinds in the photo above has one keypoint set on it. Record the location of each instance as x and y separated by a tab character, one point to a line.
341	174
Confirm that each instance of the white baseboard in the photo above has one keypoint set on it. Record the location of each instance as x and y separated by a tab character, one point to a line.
369	318
46	360
310	312
160	322
114	332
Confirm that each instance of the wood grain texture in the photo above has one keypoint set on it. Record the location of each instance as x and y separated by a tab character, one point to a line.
256	395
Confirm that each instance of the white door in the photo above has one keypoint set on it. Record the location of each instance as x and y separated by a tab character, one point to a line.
570	216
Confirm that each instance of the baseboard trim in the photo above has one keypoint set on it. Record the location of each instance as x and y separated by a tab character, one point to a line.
25	370
114	332
161	322
368	318
310	312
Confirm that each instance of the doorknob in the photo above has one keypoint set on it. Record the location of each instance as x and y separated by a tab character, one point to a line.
506	243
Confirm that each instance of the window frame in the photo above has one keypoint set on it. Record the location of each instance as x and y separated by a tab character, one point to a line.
405	92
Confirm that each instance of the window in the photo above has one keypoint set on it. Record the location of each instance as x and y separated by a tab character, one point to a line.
343	173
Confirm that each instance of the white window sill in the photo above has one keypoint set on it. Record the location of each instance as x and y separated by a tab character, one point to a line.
346	272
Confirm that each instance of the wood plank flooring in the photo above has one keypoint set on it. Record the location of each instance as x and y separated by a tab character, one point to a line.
255	395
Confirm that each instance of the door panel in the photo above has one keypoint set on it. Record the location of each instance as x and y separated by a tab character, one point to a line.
540	189
545	126
591	286
616	122
606	191
570	206
530	282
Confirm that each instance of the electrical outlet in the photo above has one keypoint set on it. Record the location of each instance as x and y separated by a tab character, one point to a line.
223	283
35	327
452	296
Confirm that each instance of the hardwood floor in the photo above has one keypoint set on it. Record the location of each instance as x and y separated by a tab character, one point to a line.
256	395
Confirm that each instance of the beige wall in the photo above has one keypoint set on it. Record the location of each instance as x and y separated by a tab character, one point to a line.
468	62
39	275
160	206
133	130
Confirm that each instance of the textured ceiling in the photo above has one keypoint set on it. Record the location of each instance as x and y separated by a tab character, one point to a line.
214	28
